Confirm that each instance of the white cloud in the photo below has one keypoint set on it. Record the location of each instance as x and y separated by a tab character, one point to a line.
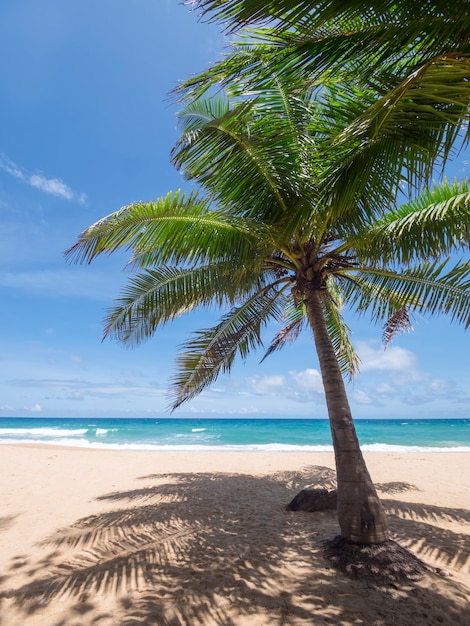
362	398
438	385
384	389
52	186
252	410
267	385
75	388
75	395
34	409
9	167
394	381
394	359
308	380
300	386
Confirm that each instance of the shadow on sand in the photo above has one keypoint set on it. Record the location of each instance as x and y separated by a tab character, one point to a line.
199	549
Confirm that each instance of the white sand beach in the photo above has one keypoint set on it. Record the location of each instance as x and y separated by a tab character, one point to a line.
109	538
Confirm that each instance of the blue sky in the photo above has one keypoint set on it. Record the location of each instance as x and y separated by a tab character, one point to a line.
86	127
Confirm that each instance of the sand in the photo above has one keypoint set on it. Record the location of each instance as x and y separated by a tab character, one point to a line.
109	538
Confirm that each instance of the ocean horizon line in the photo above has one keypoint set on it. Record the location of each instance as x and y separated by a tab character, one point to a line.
218	417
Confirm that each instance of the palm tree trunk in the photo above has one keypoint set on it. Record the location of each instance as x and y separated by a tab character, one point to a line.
360	513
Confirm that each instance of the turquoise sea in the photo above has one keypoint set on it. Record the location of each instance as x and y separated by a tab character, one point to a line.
168	434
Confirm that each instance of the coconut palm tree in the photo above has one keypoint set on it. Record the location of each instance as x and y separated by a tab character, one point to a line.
265	237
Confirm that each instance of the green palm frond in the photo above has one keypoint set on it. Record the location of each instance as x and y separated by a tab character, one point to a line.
174	229
339	331
357	176
403	135
249	156
434	98
202	111
330	39
220	76
209	352
248	11
364	49
436	223
155	297
291	12
369	139
290	109
433	287
403	29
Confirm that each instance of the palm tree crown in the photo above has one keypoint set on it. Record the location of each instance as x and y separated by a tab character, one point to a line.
265	230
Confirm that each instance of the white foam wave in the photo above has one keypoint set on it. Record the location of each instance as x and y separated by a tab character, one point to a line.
43	432
84	443
271	447
385	447
198	430
101	431
72	443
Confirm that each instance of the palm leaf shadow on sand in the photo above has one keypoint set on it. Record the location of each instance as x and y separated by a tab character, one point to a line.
417	526
192	548
6	521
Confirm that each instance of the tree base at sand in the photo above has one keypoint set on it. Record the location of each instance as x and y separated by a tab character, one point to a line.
382	564
385	563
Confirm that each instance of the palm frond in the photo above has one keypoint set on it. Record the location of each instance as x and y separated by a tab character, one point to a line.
436	223
402	136
155	297
232	74
247	11
338	330
295	318
202	111
416	28
212	351
433	287
248	157
290	12
174	229
397	324
334	39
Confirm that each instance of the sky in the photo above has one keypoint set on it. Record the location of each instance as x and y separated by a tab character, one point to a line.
86	126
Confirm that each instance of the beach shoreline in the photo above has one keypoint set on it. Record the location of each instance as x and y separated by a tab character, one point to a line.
211	528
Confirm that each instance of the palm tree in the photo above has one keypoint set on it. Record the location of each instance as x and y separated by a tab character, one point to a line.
266	238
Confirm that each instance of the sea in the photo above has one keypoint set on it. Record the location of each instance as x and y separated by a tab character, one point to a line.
256	435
